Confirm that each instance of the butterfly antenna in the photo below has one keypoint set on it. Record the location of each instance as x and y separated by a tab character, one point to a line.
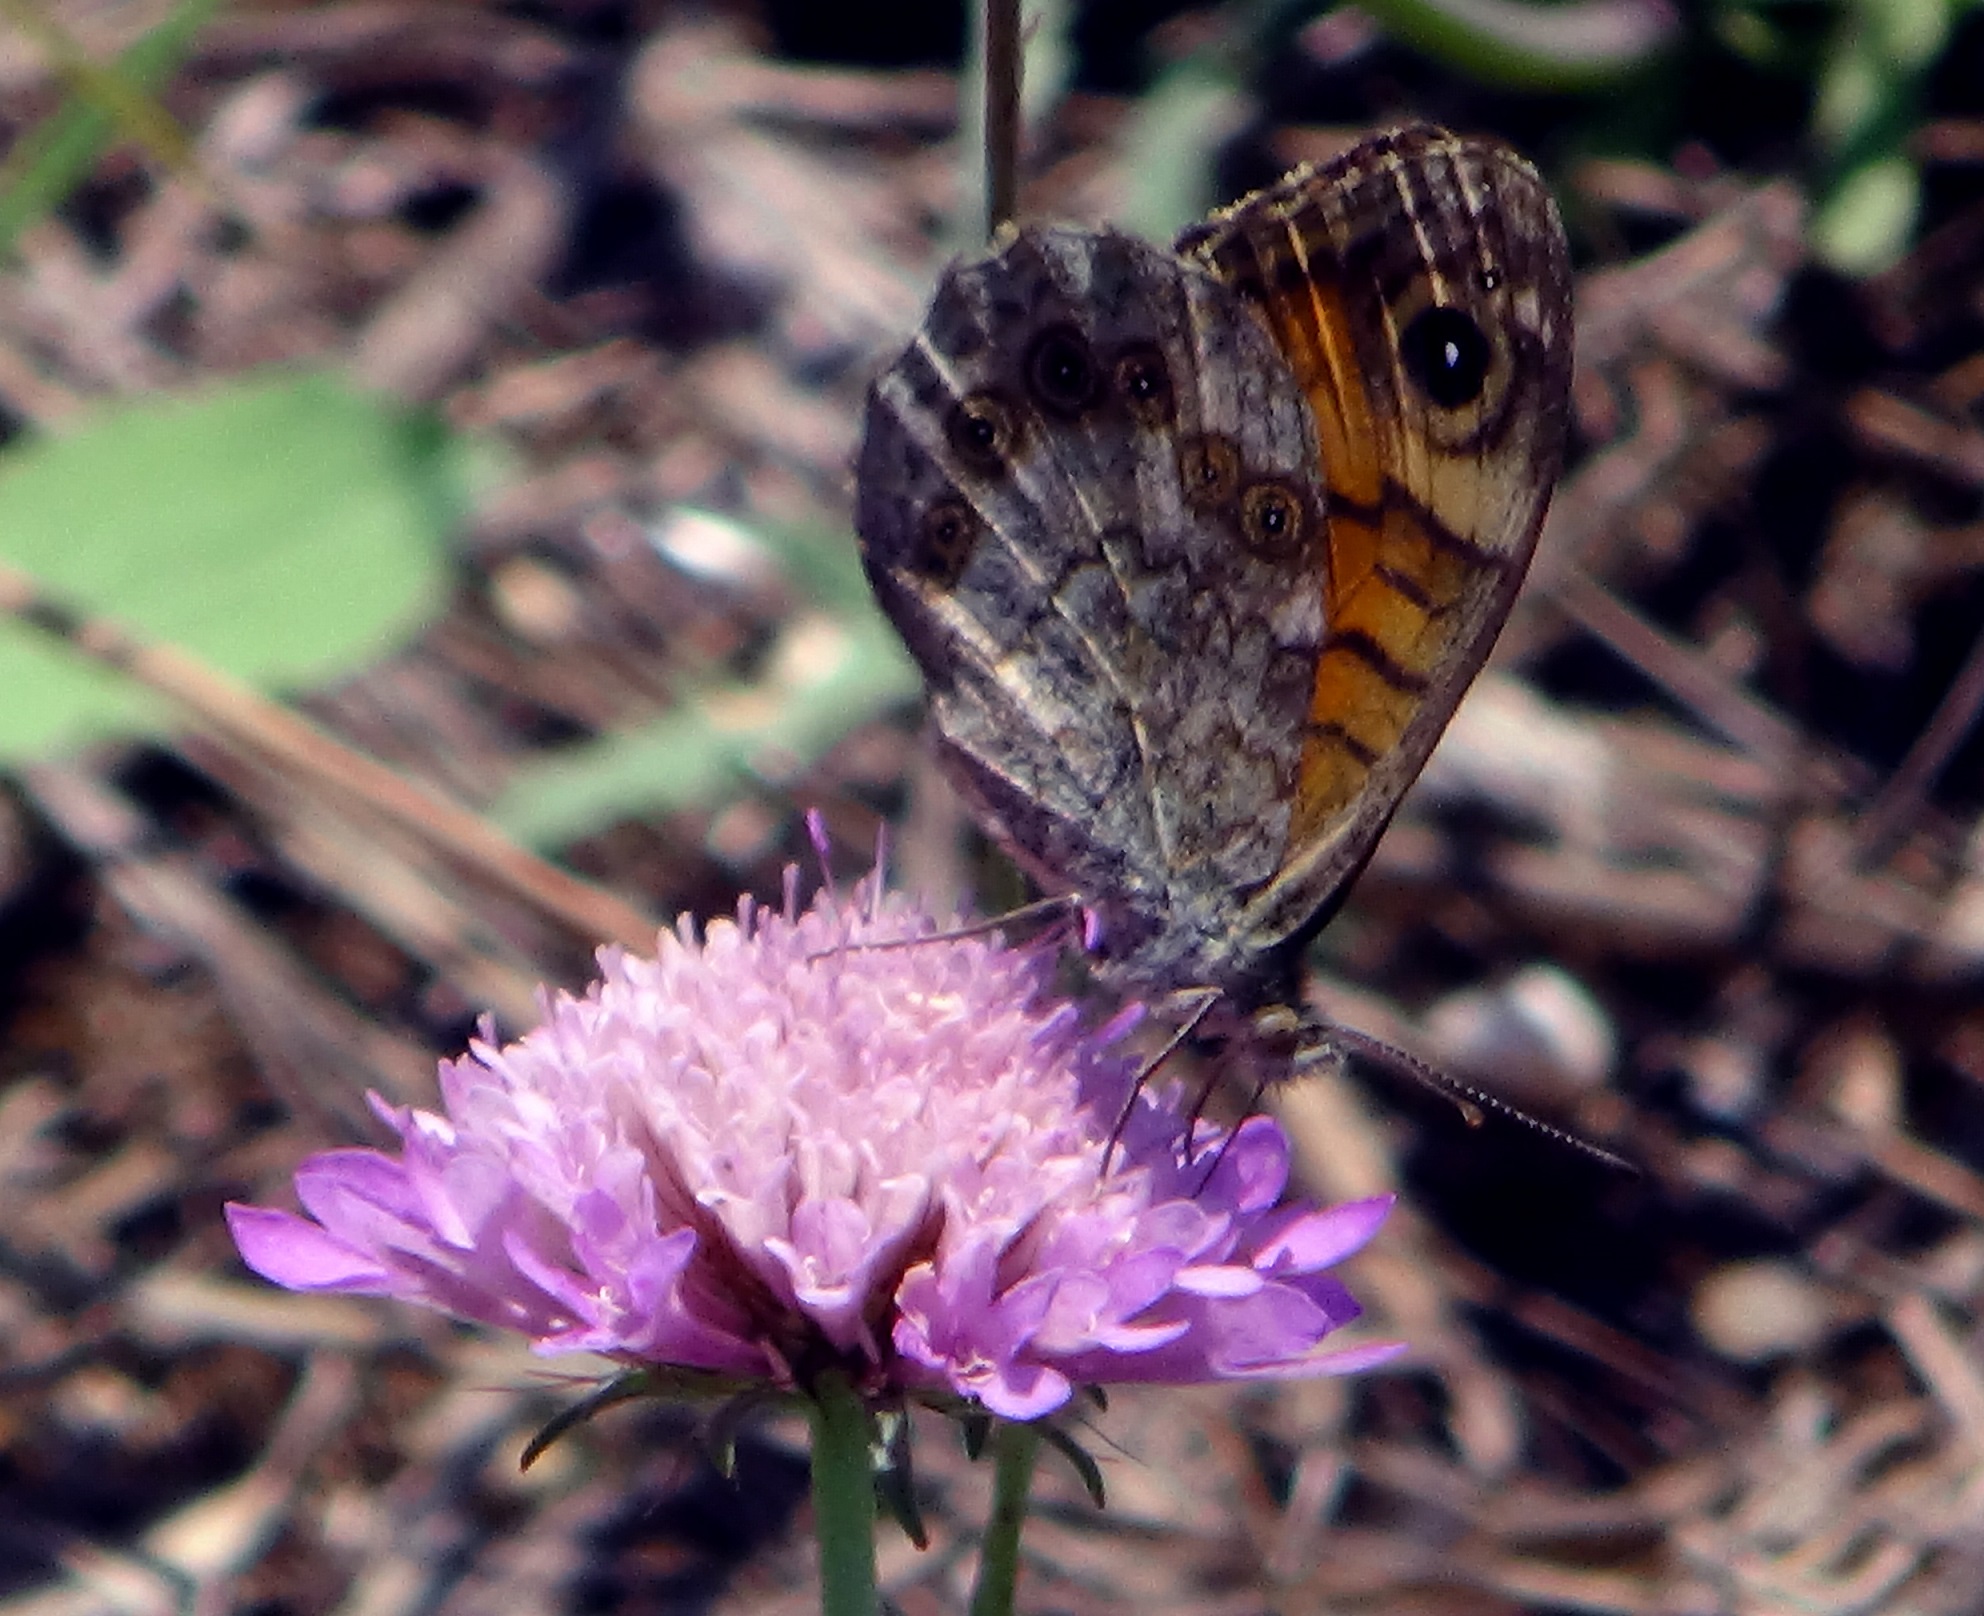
1473	1103
1059	907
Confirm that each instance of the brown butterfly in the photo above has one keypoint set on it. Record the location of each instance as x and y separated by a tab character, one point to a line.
1198	550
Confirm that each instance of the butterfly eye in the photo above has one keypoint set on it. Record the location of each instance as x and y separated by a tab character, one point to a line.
982	433
1143	382
945	540
1060	371
1446	354
1271	521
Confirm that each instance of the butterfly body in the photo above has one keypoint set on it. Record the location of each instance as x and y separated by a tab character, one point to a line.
1198	549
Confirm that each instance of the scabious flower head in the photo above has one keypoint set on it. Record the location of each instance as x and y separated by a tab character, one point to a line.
776	1148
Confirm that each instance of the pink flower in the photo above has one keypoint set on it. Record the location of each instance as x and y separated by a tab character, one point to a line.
767	1152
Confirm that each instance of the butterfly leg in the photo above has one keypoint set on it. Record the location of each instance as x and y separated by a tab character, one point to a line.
1191	1006
1192	1122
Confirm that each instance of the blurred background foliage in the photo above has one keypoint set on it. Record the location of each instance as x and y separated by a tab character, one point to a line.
1839	94
481	381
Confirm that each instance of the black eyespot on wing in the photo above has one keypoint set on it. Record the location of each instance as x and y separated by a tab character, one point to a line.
1447	356
1061	372
1143	382
983	432
1273	522
945	538
1209	468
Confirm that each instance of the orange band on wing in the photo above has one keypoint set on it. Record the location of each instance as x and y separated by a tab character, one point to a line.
1413	592
1308	321
1392	627
1313	330
1392	584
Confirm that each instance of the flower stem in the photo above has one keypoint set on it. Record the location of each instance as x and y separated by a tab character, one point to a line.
843	1499
1014	1446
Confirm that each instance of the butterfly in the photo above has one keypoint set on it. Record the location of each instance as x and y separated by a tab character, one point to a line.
1198	549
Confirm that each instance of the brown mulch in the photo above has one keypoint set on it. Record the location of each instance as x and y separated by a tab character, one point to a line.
1696	874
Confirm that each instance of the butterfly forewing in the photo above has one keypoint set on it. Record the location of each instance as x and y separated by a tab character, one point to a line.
1419	288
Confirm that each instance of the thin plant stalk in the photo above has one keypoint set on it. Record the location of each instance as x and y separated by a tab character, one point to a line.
843	1499
989	119
1000	20
1015	1444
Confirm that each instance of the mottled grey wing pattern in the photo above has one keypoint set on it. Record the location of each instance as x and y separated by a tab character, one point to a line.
1089	499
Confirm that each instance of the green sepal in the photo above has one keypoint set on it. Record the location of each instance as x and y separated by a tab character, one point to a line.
1078	1456
975	1426
719	1433
976	1429
895	1476
677	1385
621	1388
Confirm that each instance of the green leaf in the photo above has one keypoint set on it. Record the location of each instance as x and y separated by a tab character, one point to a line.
1178	125
54	157
284	529
1585	45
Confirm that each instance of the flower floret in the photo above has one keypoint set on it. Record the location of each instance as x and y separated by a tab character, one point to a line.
778	1144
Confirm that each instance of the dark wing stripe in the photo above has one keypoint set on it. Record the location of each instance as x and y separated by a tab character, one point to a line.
1375	657
1403	583
1443	536
1330	730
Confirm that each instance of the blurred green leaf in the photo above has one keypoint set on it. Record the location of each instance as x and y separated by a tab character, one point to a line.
111	90
282	529
1047	26
53	158
1535	44
1194	106
1867	104
831	669
1864	225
